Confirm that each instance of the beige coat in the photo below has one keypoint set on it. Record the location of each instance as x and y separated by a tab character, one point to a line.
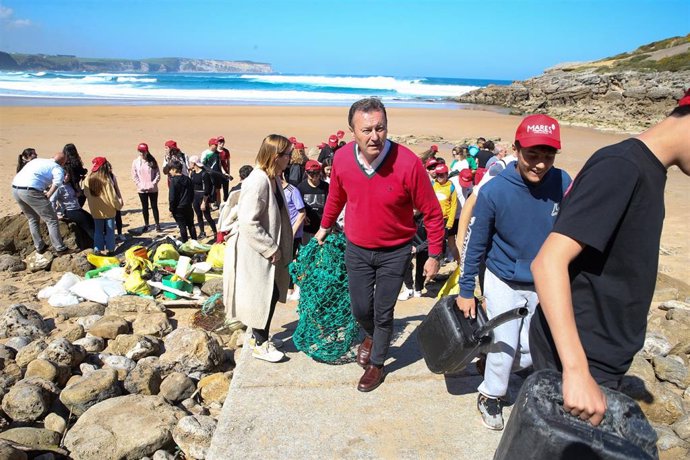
248	274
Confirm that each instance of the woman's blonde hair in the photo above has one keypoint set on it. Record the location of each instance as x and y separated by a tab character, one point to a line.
271	148
298	157
99	180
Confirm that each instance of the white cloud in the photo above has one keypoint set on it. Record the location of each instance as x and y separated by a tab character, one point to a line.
7	18
6	13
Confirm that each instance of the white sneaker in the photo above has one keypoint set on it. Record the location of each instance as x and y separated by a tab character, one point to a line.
417	293
267	352
405	294
294	296
277	343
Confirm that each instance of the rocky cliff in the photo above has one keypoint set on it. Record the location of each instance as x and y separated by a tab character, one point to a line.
42	62
628	92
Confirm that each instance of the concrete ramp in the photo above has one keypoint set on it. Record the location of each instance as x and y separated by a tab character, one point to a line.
303	409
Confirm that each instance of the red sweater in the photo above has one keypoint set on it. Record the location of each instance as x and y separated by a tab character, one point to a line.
380	207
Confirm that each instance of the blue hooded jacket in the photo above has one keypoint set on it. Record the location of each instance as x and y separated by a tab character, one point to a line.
511	220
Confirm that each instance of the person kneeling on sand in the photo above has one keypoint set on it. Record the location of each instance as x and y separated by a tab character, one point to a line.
512	218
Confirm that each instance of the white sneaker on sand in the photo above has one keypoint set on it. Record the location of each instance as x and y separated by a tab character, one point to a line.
294	296
267	352
417	294
405	294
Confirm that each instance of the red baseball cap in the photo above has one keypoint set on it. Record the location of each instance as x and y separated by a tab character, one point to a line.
539	130
312	165
171	144
213	141
434	148
333	140
441	168
293	140
97	163
340	134
322	145
431	163
143	147
299	146
220	139
685	100
465	178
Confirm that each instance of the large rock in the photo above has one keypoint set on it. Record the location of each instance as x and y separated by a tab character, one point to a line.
214	388
155	324
213	286
682	427
655	344
72	333
61	352
144	379
191	350
34	438
11	263
176	387
29	400
75	263
672	369
127	427
17	343
91	389
129	306
193	435
54	422
20	321
121	364
109	327
10	375
36	262
47	370
8	452
91	343
30	352
665	406
134	346
83	309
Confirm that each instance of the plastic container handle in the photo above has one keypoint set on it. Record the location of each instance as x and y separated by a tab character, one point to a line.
516	313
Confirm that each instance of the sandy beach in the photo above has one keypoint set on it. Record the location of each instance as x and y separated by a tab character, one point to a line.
115	132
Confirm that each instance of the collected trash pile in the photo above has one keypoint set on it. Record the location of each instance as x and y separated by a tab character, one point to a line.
165	268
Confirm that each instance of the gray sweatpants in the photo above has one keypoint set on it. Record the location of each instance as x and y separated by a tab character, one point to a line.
36	207
509	350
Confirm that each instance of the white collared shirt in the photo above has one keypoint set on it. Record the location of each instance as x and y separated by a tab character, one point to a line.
377	161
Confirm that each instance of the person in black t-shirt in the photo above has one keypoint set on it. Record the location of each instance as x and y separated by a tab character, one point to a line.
180	198
203	195
596	272
485	153
314	193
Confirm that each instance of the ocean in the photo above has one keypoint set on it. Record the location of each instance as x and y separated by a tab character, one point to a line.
65	88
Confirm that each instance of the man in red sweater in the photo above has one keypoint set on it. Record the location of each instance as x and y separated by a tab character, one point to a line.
381	183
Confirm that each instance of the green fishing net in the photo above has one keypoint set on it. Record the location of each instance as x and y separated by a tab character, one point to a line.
326	330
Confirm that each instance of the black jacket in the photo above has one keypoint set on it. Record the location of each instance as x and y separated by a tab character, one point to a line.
181	194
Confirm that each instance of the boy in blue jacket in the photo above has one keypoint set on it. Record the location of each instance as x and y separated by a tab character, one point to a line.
513	216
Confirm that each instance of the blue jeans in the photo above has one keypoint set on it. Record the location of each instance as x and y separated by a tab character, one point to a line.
104	234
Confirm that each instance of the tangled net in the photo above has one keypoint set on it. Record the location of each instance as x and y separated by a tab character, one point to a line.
211	316
326	330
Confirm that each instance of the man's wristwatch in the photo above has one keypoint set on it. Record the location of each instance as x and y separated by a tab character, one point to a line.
436	257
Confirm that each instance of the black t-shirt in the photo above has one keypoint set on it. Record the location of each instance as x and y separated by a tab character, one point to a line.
202	182
482	157
616	209
314	203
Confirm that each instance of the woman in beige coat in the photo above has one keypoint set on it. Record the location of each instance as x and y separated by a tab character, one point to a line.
259	246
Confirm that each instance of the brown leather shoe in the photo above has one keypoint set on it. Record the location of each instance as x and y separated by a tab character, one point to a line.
364	351
372	378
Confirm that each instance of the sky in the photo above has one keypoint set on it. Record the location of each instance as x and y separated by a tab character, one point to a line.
493	39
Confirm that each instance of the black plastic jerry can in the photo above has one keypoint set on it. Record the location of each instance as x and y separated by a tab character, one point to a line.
539	427
449	341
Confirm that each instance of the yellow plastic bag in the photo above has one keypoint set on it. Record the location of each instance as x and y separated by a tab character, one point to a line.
101	261
135	284
216	255
166	251
451	285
